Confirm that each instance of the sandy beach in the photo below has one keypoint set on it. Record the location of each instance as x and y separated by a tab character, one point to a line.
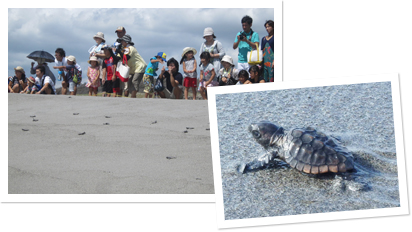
98	145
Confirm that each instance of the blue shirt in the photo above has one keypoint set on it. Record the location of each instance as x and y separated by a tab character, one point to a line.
244	47
151	67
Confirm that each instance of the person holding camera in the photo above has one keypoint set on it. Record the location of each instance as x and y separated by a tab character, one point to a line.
246	40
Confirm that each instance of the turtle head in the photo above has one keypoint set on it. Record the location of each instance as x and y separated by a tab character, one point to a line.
265	133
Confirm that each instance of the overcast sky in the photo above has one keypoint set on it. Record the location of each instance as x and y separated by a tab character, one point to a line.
152	30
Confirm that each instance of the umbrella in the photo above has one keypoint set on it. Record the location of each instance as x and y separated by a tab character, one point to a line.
41	56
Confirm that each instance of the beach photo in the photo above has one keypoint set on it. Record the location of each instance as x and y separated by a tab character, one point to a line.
307	148
98	105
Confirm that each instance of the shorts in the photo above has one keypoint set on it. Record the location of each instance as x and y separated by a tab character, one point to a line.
108	86
213	83
171	95
243	66
71	86
116	85
190	82
134	81
148	82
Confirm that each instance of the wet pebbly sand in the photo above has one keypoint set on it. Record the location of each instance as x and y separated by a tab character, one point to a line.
361	115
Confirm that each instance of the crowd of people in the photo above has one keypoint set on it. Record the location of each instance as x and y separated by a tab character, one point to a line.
215	67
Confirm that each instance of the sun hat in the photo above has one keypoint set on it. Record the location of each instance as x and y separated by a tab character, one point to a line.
188	49
31	79
19	68
120	29
163	55
126	38
93	58
228	59
99	35
71	58
208	31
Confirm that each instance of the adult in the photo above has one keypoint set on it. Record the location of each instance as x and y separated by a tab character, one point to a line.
135	62
214	47
19	82
246	41
174	80
267	51
45	82
48	71
97	51
228	75
59	62
120	31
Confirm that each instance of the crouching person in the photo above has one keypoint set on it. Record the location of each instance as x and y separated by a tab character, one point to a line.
45	82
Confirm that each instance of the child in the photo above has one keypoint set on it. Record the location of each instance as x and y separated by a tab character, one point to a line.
31	88
207	74
255	76
93	74
111	84
148	78
243	78
189	69
73	74
228	74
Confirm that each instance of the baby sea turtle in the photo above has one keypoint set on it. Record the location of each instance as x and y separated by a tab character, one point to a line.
307	150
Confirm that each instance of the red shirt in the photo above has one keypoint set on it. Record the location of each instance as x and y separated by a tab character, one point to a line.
108	64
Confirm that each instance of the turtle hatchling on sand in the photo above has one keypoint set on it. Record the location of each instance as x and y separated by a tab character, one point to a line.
307	150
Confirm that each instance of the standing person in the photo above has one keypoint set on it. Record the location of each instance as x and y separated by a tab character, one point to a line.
174	79
228	75
246	41
60	63
93	74
214	47
111	84
45	82
135	62
97	51
207	74
267	51
150	73
73	74
18	83
120	31
189	71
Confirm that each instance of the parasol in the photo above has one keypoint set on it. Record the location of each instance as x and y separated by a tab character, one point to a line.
41	56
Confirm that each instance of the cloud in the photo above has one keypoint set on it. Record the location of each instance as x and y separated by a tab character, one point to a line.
152	30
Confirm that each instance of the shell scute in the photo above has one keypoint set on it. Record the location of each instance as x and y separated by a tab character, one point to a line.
307	138
297	133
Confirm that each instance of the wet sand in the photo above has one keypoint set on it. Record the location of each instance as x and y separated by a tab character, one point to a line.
139	148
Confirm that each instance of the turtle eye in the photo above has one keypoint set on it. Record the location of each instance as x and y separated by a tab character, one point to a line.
256	134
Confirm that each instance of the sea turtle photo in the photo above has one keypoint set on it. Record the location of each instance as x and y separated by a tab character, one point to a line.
304	149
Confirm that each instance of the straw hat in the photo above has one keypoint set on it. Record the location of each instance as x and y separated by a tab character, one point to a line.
208	31
93	58
19	68
187	49
228	59
71	58
31	79
99	35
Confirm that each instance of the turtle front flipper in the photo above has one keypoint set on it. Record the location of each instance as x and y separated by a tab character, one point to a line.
264	161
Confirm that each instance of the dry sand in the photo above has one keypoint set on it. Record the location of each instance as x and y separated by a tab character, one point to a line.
130	155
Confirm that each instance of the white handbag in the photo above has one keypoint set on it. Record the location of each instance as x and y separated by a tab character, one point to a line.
122	70
255	56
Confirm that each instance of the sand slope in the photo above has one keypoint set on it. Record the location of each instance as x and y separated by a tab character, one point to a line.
127	156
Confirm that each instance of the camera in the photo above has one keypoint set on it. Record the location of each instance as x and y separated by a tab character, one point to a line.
242	35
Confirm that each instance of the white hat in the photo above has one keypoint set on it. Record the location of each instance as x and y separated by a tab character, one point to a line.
208	31
187	49
228	59
71	58
93	58
99	35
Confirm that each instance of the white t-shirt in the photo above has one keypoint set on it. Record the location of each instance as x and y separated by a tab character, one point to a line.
47	79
